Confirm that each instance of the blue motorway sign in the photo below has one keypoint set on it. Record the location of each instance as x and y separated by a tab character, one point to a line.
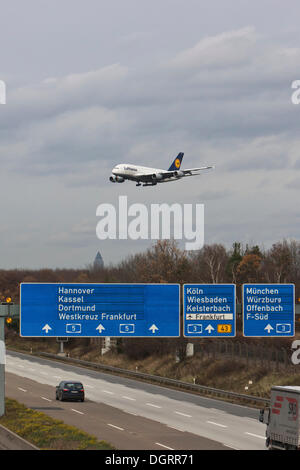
209	310
95	310
268	310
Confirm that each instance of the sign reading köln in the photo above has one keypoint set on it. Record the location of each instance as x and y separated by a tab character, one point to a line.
209	310
93	310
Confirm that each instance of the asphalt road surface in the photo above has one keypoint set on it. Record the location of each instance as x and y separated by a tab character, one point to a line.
133	415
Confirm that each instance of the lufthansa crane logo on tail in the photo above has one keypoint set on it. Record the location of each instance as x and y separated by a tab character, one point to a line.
177	163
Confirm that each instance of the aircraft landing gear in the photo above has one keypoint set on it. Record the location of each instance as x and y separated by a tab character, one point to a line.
138	184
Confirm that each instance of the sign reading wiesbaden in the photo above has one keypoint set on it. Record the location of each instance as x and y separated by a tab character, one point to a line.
269	310
94	310
209	310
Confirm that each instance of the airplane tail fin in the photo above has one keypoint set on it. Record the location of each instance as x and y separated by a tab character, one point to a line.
177	162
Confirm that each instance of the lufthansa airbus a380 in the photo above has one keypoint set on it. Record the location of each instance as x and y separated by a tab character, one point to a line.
151	176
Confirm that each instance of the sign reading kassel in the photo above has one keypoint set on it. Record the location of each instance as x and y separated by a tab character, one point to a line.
95	310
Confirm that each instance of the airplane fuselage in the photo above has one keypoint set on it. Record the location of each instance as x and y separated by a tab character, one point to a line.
137	173
130	171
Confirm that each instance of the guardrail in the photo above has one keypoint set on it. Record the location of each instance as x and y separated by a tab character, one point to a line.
162	380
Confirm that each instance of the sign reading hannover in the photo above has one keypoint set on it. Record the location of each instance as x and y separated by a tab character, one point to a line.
94	310
269	309
209	310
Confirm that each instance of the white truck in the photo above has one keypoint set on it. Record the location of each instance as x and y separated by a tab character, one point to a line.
282	418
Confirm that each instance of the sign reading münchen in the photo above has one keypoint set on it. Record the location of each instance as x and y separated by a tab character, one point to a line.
93	310
269	310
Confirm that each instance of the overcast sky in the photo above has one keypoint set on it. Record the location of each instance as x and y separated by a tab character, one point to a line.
96	83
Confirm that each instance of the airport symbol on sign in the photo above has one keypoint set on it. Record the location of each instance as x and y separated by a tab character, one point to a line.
269	310
93	310
209	310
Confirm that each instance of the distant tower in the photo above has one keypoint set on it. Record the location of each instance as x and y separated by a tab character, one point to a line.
98	262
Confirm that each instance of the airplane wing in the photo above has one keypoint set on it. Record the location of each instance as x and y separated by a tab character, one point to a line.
187	172
190	171
162	175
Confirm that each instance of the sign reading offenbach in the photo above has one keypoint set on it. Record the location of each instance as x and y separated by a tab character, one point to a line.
269	310
94	310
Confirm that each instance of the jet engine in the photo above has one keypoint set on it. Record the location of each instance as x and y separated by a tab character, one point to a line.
116	179
157	177
179	174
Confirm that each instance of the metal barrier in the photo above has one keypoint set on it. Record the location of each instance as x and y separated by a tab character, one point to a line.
161	380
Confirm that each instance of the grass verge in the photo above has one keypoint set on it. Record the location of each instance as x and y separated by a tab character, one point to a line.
45	432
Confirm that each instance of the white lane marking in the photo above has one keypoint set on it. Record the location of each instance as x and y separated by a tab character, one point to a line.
116	427
76	411
44	373
107	391
22	389
215	410
20	365
128	398
255	435
162	445
47	399
56	376
89	386
230	447
182	414
217	424
154	406
31	369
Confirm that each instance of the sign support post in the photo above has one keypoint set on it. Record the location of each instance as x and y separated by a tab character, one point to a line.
2	366
6	310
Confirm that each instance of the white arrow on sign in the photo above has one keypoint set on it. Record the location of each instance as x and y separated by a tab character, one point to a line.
269	328
47	328
153	328
209	328
100	328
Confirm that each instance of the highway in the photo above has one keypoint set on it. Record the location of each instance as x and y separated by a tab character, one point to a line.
130	414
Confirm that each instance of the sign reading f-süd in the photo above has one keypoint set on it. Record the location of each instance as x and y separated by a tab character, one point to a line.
95	310
269	310
209	310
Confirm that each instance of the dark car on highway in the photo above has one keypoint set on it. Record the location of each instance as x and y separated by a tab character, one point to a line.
69	390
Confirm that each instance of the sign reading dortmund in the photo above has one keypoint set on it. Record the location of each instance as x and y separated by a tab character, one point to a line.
93	310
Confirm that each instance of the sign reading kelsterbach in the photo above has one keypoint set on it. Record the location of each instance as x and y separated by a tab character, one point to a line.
269	310
209	310
93	310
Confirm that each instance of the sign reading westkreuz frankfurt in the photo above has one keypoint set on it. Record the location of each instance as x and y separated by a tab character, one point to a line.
94	310
209	310
269	310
